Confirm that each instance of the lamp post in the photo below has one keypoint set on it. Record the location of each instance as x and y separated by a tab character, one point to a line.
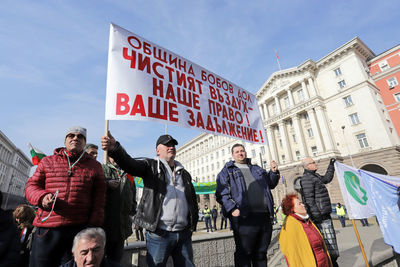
352	220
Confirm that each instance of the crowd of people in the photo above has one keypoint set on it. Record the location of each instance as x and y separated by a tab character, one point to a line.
85	210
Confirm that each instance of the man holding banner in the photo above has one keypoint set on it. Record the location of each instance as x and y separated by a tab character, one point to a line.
318	203
244	191
168	209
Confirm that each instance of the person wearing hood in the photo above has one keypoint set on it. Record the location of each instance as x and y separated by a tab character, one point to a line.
318	203
69	189
119	208
168	209
300	240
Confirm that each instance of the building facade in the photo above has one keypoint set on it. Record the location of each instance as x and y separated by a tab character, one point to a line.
15	168
321	109
385	71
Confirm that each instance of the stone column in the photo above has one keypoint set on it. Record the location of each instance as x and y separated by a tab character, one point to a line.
300	136
272	144
285	140
315	128
291	101
326	133
278	106
266	112
305	90
313	90
261	107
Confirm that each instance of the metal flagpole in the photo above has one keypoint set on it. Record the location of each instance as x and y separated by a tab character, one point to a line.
352	220
277	59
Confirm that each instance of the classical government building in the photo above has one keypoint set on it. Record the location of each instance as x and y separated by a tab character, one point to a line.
321	109
14	171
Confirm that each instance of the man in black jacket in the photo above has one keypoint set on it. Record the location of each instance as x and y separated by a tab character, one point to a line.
318	203
168	209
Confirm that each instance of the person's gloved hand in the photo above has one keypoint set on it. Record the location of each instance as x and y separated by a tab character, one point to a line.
332	161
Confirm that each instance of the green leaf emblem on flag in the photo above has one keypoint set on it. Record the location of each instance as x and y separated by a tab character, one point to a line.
354	188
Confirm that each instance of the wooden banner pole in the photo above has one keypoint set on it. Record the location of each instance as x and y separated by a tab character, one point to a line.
360	243
106	134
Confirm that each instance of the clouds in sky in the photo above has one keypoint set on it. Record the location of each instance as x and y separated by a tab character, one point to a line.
54	54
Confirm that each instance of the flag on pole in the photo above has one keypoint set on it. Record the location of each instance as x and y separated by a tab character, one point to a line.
382	190
36	154
356	198
277	59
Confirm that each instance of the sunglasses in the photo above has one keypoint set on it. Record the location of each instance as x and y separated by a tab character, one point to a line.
80	136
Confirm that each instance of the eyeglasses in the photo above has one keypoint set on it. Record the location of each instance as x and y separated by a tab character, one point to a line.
80	136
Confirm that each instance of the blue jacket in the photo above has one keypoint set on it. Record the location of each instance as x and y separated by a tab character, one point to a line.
231	187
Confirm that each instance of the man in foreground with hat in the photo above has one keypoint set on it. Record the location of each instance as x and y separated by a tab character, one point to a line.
168	209
69	189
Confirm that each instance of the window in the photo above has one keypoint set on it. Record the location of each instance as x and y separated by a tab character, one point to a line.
397	97
305	116
287	103
337	72
212	166
280	142
217	164
294	138
290	122
262	150
392	82
310	132
342	84
362	140
283	158
253	153
354	119
348	101
300	94
384	65
298	155
314	150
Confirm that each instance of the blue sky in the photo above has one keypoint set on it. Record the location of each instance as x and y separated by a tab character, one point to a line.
54	54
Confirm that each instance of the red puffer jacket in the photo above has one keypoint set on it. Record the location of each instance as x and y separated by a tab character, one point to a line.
81	196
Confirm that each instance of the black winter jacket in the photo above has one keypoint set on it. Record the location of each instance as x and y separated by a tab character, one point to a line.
315	195
155	186
9	240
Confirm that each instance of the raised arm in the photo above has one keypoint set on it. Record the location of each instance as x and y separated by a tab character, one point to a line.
327	178
124	160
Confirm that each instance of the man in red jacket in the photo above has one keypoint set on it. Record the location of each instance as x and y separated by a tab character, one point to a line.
69	190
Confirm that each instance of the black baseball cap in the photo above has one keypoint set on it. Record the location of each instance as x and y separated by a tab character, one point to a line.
165	139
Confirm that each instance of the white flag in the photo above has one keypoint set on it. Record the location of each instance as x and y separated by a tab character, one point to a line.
357	201
148	82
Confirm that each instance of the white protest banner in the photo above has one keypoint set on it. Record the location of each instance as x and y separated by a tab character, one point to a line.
150	83
358	203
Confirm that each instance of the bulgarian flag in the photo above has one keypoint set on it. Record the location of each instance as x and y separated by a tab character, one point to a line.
36	154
